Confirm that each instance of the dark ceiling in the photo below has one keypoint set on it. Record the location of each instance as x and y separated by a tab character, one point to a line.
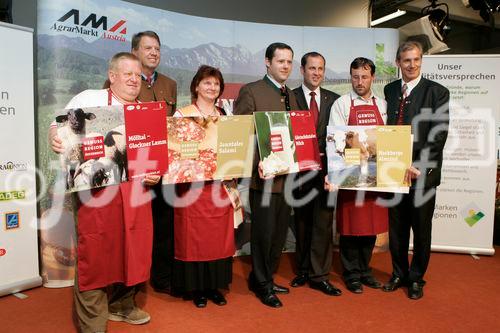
383	7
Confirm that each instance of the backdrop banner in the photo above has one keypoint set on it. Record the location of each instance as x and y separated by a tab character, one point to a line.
465	203
76	39
18	224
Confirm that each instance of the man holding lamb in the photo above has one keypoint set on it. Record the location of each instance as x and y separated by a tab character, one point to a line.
114	224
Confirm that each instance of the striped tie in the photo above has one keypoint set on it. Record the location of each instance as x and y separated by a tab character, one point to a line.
313	107
402	104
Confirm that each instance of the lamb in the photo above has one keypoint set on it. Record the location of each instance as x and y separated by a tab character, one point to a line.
115	147
71	134
97	172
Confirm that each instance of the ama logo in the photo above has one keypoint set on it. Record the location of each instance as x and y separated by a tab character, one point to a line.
472	214
90	26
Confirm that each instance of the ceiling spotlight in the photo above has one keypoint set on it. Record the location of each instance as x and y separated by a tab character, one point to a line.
486	8
438	18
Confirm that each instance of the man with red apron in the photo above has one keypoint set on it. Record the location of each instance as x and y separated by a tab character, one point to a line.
157	87
114	224
359	223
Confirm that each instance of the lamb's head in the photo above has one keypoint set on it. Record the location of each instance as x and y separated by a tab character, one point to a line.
105	171
76	119
100	175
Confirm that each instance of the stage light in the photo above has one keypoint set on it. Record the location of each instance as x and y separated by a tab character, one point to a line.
389	17
438	18
486	8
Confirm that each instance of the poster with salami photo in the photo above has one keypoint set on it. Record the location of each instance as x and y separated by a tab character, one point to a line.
372	158
201	149
287	142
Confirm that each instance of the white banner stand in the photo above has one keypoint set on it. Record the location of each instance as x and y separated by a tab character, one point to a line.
18	223
465	203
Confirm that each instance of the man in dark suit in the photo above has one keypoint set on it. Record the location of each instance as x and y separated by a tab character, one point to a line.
314	217
269	210
423	104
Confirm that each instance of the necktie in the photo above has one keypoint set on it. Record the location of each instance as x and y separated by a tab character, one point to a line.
285	97
313	107
149	80
402	104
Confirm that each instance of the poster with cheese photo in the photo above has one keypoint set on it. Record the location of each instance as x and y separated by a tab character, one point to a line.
287	142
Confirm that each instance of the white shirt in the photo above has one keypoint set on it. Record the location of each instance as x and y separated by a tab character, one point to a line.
339	113
90	98
410	85
307	91
275	82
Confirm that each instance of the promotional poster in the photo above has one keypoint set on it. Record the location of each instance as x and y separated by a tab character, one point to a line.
18	176
287	142
465	201
111	144
146	139
371	158
201	149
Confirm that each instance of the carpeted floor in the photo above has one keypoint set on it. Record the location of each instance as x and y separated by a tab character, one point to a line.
461	295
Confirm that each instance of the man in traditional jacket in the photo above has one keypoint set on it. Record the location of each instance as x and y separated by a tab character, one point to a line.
269	210
423	104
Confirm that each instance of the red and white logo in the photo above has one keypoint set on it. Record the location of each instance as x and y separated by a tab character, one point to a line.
2	252
276	142
91	25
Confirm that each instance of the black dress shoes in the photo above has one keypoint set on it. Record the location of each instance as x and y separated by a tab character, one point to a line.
415	291
199	299
299	280
394	283
270	300
354	286
326	287
370	281
216	297
280	289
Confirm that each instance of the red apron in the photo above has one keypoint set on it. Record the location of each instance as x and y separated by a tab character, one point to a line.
115	238
369	218
202	230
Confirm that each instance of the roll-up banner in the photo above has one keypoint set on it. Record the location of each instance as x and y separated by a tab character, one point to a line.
465	202
18	224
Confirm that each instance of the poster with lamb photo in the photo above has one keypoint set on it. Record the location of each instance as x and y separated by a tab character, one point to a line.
111	144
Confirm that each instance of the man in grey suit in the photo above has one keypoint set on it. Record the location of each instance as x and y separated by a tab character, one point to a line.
314	218
269	210
424	105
